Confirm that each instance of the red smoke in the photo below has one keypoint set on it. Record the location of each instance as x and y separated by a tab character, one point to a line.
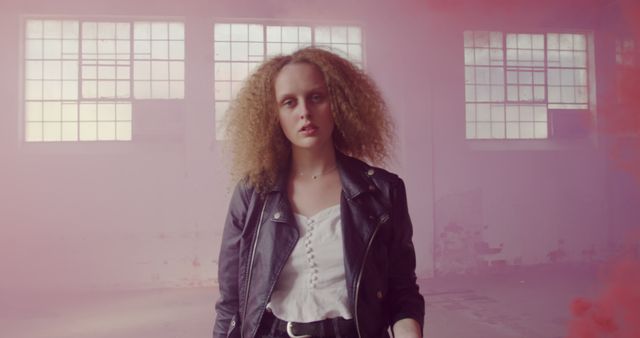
616	313
620	113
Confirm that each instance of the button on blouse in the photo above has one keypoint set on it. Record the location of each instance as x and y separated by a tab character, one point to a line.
312	284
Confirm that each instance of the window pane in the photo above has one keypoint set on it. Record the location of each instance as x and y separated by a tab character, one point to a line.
354	35
497	93
469	56
239	51
176	50
513	130
482	75
483	112
498	130
70	90
142	89
88	131
123	112
290	34
52	131
482	56
176	70
338	34
526	130
274	34
471	130
176	89
159	49
540	130
483	130
159	30
52	112
52	29
51	90
470	112
255	33
33	70
106	131
481	39
239	32
33	29
222	71
160	70
160	89
34	49
176	31
323	35
33	111
526	113
33	131
52	49
70	112
483	93
142	70
497	112
69	131
107	89
123	131
222	32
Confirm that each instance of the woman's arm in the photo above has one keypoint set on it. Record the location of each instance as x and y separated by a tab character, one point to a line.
407	328
228	263
407	304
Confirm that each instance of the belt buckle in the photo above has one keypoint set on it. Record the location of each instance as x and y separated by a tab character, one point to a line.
290	333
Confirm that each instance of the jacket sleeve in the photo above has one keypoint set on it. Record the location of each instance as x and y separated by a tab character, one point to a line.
406	300
228	303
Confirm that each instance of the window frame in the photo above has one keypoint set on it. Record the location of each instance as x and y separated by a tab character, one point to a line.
550	140
312	24
79	20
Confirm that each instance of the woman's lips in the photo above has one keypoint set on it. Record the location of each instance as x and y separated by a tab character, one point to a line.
308	130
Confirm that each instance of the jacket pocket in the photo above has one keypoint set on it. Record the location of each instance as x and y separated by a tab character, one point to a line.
234	327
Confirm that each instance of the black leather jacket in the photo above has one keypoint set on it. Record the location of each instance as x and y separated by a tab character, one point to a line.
379	257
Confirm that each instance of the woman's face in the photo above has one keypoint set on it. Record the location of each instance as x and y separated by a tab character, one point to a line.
304	107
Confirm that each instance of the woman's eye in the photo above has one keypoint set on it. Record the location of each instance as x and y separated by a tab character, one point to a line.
287	103
316	98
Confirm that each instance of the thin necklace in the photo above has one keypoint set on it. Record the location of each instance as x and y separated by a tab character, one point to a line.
315	177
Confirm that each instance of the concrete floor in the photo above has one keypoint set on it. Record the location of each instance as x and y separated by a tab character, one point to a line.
522	303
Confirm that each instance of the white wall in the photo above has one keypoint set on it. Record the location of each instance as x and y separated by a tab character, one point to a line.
149	213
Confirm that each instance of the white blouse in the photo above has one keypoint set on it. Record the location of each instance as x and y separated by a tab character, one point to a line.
312	284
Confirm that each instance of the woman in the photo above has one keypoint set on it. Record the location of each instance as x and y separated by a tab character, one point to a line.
317	243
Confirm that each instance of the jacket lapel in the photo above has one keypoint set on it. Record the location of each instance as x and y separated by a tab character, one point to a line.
277	238
361	213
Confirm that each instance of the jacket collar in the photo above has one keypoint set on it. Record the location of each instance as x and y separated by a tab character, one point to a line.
353	176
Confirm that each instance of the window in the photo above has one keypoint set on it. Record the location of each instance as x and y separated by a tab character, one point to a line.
80	76
626	51
158	52
239	48
627	55
513	79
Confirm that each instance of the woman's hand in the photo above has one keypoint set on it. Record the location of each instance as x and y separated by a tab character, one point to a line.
407	328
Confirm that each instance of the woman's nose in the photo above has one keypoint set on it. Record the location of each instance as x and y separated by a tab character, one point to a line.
304	110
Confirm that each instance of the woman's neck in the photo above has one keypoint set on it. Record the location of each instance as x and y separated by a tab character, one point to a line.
313	161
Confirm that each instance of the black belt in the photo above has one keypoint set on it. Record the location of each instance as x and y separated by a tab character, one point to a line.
331	327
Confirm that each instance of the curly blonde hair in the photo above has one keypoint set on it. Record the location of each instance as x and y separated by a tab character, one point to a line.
260	150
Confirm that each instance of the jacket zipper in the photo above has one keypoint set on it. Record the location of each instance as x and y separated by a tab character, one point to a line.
360	273
253	254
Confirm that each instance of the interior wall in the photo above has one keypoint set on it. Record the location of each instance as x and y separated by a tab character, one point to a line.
524	202
149	213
